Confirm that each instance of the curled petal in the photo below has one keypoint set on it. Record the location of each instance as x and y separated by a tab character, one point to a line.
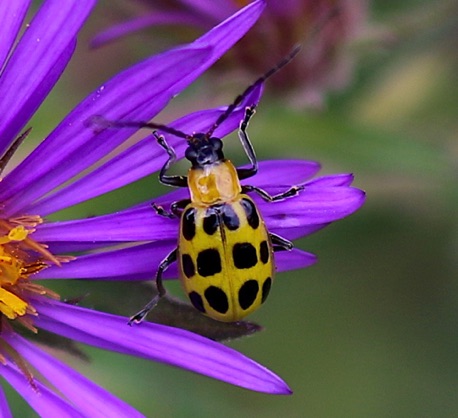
159	343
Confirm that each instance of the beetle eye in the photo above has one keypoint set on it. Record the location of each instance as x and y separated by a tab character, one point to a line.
190	154
217	144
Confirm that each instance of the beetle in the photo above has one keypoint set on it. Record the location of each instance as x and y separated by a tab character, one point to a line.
224	252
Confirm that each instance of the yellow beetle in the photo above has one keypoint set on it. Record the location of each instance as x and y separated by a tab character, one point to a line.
224	252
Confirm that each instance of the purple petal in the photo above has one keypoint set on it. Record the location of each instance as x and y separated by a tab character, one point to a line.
199	13
296	232
76	247
12	14
133	263
45	402
314	205
90	399
138	93
158	343
135	224
332	180
37	63
155	19
214	10
294	259
5	411
284	173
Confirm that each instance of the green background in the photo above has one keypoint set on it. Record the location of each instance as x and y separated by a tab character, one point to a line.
371	330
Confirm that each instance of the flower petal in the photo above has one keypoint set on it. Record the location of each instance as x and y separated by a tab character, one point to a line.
45	402
138	93
12	14
37	63
91	400
294	259
134	224
154	19
198	13
215	10
284	173
133	263
332	180
158	343
313	205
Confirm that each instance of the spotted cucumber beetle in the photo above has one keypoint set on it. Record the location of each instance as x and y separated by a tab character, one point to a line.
224	252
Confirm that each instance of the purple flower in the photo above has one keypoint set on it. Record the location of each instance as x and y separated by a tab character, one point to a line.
325	65
49	180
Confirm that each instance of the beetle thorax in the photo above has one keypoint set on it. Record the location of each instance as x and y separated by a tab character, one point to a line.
214	183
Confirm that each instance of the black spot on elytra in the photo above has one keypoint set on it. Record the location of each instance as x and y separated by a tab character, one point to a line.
188	224
244	255
209	262
230	218
217	299
264	252
266	289
197	301
251	212
211	222
188	265
248	293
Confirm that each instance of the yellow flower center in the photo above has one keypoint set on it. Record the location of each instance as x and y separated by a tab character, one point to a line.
18	261
12	269
20	257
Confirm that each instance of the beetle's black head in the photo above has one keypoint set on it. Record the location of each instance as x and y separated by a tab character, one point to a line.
203	151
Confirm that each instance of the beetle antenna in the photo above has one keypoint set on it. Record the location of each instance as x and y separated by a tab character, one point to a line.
335	11
251	87
101	123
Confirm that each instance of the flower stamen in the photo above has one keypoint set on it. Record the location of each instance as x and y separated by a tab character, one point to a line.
18	361
15	270
29	242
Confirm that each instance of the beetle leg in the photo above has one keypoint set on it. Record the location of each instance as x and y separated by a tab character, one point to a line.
279	243
244	173
175	181
165	263
176	208
292	191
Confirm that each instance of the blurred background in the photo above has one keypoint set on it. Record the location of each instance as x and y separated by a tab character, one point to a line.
372	329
